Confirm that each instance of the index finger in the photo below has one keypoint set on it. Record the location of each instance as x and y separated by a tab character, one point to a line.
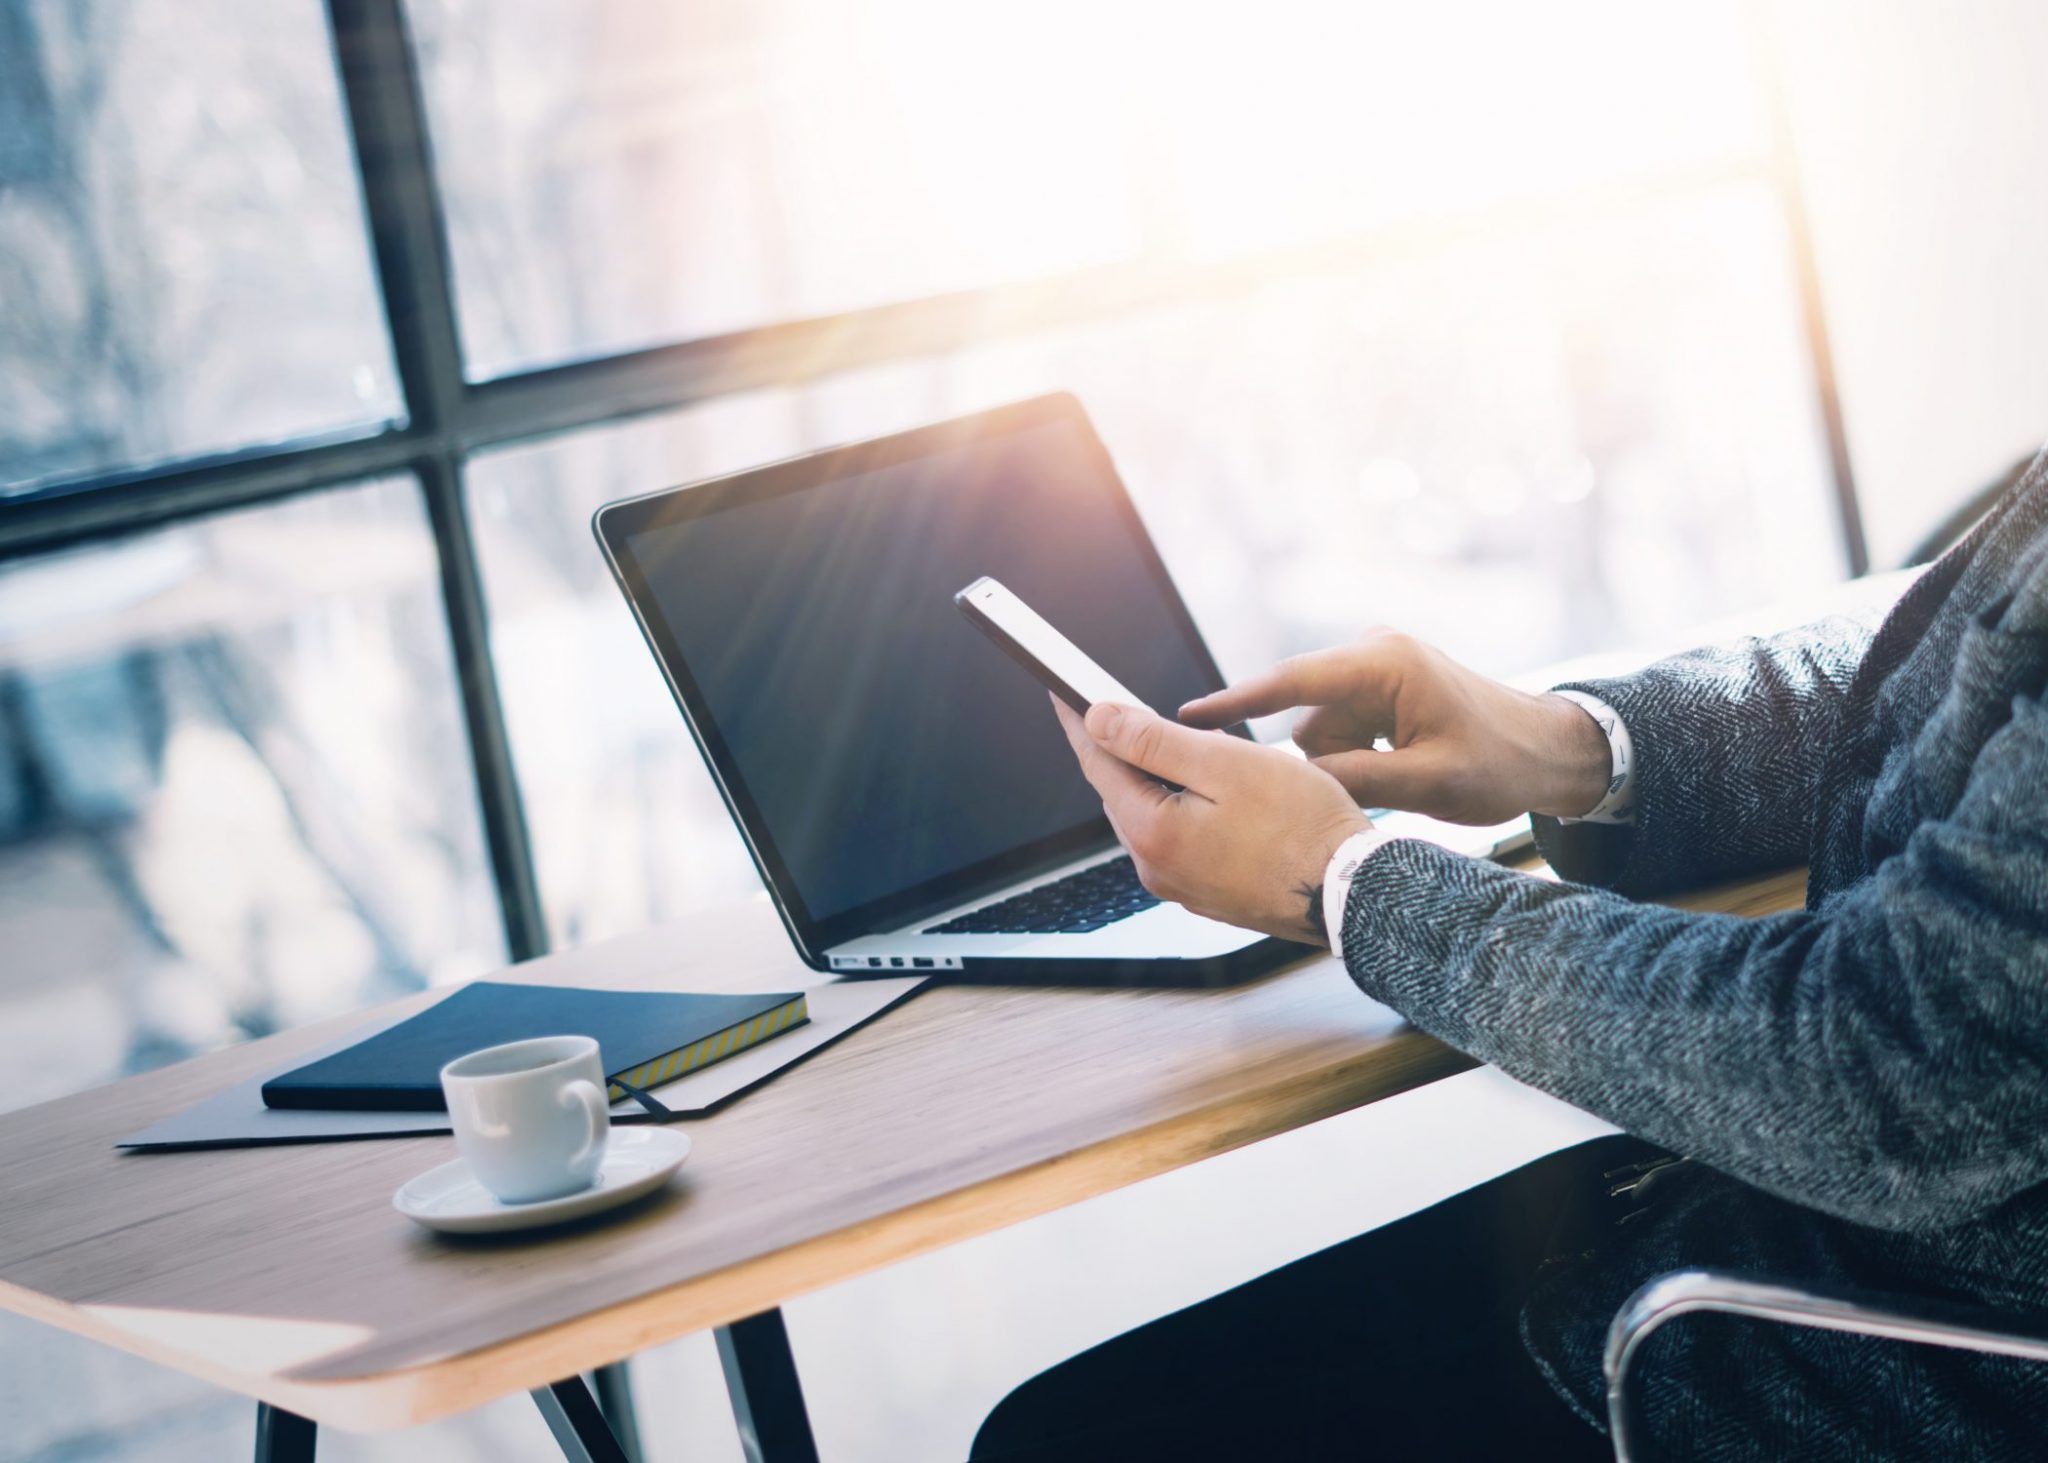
1316	678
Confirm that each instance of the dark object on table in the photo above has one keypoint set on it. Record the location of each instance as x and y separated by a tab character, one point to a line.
645	1037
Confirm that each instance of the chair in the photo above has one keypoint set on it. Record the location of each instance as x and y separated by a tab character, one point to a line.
1894	1318
1960	520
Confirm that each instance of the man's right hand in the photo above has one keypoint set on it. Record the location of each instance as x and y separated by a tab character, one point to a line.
1460	747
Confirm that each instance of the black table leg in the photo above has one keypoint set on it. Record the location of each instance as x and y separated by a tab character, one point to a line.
283	1437
614	1387
579	1428
767	1399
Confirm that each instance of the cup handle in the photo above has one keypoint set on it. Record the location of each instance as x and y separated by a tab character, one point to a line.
595	1108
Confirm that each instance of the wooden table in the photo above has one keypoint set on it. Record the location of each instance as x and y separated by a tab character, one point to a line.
285	1274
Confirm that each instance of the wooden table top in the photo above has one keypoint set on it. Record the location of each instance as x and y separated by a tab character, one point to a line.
285	1274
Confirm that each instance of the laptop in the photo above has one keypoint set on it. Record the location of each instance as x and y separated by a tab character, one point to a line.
905	790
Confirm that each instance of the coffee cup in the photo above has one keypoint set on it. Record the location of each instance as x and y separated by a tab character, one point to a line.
531	1118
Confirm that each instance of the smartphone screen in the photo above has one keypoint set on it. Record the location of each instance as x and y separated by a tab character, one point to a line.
1032	641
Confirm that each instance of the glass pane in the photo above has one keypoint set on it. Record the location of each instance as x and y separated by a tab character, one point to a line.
627	827
627	174
1522	450
183	265
235	790
1351	117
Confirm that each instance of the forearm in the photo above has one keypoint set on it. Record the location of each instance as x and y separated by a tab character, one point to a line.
1817	1056
1729	743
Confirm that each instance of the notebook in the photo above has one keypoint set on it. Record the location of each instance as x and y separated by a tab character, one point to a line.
644	1038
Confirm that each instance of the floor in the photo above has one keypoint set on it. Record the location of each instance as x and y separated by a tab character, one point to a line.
900	1366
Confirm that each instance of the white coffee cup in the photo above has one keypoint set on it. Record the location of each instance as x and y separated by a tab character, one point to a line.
530	1117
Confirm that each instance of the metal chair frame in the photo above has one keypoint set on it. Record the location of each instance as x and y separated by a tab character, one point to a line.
1859	1313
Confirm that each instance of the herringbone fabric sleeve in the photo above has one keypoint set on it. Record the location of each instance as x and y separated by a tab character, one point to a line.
1729	743
1879	1058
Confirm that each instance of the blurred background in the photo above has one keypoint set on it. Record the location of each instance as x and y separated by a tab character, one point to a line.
1535	330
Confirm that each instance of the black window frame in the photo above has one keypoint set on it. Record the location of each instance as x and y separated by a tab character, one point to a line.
447	417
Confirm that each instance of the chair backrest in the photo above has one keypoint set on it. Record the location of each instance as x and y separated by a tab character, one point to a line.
1963	517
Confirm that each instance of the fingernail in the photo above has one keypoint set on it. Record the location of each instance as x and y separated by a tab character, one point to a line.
1103	719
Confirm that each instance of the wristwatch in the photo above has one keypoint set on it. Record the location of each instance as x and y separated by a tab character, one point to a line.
1326	905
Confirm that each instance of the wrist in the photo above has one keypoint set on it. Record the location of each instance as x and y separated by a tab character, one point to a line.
1576	759
1333	890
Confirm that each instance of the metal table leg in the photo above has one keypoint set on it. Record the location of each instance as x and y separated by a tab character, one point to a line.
579	1428
283	1437
614	1387
767	1399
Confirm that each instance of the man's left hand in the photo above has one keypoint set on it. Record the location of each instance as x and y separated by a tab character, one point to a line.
1248	837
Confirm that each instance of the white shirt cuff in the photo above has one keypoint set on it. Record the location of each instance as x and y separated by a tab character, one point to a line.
1343	867
1618	803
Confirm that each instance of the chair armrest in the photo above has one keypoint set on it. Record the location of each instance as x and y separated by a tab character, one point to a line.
1861	1313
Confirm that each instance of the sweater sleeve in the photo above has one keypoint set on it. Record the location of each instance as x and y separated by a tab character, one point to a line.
1728	743
1878	1058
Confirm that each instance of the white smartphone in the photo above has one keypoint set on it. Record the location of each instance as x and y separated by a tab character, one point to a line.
1063	668
1028	638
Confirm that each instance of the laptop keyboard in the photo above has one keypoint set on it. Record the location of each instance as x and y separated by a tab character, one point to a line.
1082	901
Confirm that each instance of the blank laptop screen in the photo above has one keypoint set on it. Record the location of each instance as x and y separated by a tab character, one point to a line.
885	743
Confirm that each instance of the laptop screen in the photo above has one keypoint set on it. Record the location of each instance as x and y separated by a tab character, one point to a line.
884	750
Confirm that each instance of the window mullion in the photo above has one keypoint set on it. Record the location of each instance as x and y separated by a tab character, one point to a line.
504	814
402	200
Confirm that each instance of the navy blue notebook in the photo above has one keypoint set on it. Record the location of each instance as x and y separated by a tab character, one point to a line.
644	1038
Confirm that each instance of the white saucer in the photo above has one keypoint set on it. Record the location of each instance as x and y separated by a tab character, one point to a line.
637	1161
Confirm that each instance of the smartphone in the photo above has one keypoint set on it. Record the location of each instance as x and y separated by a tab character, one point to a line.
1028	638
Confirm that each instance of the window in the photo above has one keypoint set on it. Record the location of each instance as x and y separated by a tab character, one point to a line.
232	786
183	267
625	175
1384	312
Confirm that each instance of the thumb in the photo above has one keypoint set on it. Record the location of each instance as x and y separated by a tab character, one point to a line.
1416	779
1148	741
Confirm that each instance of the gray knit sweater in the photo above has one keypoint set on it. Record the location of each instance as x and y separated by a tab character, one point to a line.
1864	1083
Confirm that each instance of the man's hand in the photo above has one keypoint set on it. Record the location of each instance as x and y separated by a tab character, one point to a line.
1247	839
1463	748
